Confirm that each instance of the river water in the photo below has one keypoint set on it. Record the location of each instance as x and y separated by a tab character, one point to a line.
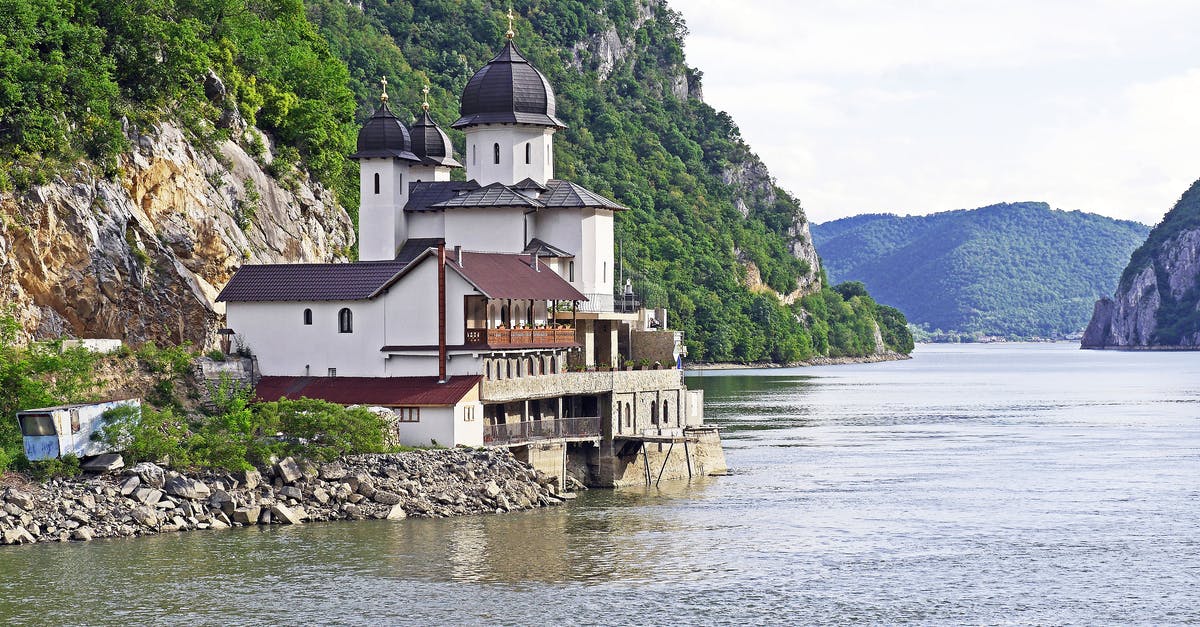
993	484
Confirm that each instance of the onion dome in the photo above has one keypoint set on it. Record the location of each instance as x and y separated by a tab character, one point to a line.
429	142
508	90
384	135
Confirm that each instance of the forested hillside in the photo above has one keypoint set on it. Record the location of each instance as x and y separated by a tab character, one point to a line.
709	236
1017	270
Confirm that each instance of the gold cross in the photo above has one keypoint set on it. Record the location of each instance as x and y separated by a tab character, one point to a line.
425	98
510	34
383	97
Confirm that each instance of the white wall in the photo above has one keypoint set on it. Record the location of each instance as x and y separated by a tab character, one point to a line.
588	234
512	167
426	224
277	335
381	222
411	309
497	230
428	173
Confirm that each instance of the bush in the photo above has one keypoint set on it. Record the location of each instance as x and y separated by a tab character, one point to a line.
65	467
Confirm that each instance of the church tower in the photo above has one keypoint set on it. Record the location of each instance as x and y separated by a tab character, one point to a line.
508	116
385	158
432	146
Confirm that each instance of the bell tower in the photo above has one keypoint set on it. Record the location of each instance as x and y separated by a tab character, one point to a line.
384	158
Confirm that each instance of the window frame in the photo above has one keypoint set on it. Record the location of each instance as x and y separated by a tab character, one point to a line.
345	320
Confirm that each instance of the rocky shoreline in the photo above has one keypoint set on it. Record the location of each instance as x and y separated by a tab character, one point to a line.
818	361
148	499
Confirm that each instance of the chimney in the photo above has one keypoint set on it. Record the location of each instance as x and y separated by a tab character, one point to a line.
458	255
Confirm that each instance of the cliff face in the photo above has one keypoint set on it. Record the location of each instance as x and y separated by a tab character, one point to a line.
1157	304
143	257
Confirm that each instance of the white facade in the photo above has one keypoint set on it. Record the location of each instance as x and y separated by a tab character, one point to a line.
499	229
509	153
383	192
587	234
429	173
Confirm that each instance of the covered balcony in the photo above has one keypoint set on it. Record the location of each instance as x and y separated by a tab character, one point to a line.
518	323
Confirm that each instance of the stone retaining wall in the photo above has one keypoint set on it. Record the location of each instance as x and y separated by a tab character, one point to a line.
148	499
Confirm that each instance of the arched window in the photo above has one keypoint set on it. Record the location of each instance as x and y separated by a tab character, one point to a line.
528	152
496	153
653	413
473	159
345	321
628	415
618	415
376	182
666	416
553	365
308	316
504	314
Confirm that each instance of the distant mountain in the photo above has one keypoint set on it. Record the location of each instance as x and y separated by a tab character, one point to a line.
1017	270
1157	304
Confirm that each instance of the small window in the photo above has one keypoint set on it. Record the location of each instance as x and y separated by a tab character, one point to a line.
666	416
37	424
408	414
308	317
74	421
571	271
333	372
496	153
376	182
345	321
628	415
469	413
473	159
604	272
528	152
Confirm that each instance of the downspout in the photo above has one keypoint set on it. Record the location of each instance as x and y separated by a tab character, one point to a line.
442	312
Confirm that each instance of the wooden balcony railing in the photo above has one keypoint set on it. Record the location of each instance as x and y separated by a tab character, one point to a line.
509	337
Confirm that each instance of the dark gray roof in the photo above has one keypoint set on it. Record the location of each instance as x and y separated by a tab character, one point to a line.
567	194
423	195
542	249
431	144
508	90
528	183
415	246
384	136
494	195
307	282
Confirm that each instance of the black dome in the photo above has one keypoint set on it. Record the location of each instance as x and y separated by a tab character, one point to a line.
508	90
384	136
431	144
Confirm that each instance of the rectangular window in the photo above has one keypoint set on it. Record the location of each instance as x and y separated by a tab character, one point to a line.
37	424
571	271
74	421
333	372
407	414
604	272
376	182
469	413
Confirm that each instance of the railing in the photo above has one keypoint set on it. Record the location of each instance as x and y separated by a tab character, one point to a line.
607	303
507	337
530	430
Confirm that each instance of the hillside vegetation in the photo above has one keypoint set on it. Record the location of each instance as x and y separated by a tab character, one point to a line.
1016	270
77	77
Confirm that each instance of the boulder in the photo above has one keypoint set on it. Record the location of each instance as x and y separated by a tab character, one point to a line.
491	489
286	514
147	496
83	534
129	485
397	513
19	498
332	471
291	492
248	479
150	474
247	515
17	535
384	497
187	488
145	516
107	462
288	470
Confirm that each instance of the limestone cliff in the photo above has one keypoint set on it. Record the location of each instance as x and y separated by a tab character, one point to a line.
1157	304
142	257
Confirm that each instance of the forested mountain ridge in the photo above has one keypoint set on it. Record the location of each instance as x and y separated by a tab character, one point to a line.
267	95
1016	270
1157	303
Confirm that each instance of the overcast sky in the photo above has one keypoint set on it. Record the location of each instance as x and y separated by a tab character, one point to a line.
863	106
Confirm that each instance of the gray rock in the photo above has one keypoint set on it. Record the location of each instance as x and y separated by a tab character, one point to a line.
147	496
491	489
332	471
18	535
397	513
286	514
247	515
384	497
288	470
248	479
19	498
291	492
150	474
217	524
185	487
107	462
129	485
83	534
145	516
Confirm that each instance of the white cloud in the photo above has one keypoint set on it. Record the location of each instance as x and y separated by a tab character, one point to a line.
868	105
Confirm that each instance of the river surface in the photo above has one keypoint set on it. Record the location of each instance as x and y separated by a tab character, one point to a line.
997	484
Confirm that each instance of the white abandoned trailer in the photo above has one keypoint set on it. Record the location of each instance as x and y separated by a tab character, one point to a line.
52	432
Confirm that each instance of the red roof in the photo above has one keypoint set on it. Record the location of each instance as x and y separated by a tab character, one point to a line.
386	391
500	275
